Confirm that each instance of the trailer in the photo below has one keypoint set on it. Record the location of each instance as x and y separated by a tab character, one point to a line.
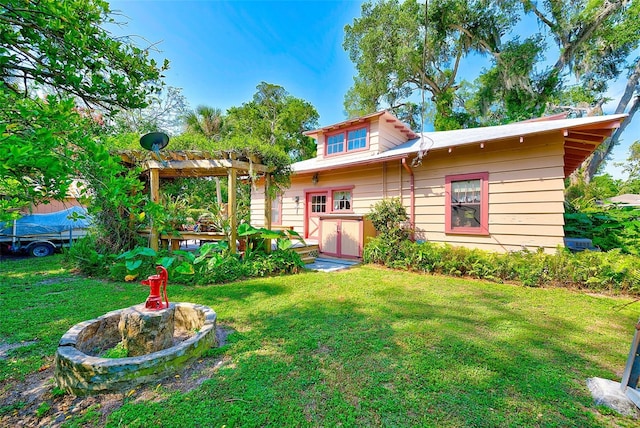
40	235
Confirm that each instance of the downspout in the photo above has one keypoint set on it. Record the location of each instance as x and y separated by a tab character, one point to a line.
412	196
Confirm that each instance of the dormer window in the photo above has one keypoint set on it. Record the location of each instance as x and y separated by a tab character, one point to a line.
357	139
348	140
335	144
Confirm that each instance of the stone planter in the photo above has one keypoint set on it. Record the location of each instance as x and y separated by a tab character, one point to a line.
79	371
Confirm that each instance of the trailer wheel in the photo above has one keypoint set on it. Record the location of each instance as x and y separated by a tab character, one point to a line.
41	250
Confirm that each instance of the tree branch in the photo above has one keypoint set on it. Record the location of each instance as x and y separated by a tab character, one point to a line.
629	89
570	47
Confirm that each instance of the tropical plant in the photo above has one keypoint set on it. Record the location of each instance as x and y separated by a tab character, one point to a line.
609	227
141	262
206	121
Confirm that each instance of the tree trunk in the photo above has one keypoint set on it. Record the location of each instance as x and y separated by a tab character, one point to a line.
592	164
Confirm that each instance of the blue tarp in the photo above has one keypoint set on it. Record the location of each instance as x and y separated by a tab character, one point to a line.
43	224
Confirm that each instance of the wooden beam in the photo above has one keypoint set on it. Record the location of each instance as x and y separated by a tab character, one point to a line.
578	136
203	165
267	210
189	164
154	185
231	210
575	156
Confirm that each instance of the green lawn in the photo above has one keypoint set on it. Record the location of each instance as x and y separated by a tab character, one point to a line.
362	347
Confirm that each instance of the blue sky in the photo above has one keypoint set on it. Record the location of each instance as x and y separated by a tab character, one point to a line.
221	50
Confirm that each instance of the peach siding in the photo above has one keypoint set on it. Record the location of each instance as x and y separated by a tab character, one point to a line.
55	206
374	137
320	146
526	192
390	136
367	191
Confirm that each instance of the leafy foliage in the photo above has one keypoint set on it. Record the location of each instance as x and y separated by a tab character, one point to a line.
599	271
581	195
60	49
400	48
609	227
632	168
404	49
589	214
389	218
39	141
211	264
276	118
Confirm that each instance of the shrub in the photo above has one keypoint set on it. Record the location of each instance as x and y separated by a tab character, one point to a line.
277	262
389	218
599	271
212	263
86	256
608	227
222	268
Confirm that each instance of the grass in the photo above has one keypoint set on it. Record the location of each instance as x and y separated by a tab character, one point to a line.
363	347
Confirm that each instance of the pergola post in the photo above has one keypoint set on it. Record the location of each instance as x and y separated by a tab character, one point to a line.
231	210
267	209
154	184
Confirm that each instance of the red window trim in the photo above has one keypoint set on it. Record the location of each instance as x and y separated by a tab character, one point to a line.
484	204
345	132
329	191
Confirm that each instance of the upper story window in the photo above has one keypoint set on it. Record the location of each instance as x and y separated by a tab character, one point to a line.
467	204
355	138
335	144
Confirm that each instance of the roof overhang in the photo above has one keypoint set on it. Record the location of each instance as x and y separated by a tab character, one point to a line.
581	141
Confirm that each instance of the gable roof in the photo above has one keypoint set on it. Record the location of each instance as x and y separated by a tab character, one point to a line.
581	137
382	115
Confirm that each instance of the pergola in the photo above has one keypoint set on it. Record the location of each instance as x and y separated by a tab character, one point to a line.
193	163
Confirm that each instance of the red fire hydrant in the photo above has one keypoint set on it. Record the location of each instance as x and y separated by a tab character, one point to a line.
155	282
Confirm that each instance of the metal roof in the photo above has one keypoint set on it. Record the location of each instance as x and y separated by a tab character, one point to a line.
582	136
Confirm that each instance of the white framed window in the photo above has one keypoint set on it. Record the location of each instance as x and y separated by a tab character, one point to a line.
342	200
